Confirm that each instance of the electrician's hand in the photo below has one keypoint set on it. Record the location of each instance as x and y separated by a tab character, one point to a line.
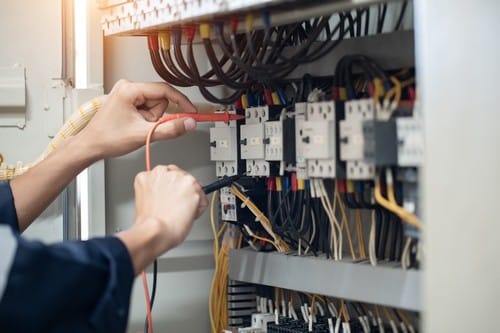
122	123
172	196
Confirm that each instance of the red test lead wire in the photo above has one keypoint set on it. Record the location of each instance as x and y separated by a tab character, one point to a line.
206	117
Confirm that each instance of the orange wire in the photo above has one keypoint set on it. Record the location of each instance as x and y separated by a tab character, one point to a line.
143	273
226	117
148	168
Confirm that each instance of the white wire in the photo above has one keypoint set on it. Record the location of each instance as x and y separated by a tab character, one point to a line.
371	243
334	222
381	328
323	196
313	232
405	257
393	326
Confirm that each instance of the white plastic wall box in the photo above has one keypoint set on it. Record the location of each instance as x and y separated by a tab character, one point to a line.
12	96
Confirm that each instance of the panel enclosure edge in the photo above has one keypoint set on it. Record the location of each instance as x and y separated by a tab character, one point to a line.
385	285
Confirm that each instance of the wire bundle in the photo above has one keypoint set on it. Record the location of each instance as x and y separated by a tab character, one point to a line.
246	58
298	312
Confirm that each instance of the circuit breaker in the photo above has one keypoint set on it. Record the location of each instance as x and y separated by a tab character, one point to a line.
317	139
224	148
352	140
255	146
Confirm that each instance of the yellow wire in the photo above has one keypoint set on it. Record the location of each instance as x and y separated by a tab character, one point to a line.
387	314
377	312
264	240
393	206
404	318
359	231
280	245
394	92
408	82
343	310
212	223
221	230
344	221
213	284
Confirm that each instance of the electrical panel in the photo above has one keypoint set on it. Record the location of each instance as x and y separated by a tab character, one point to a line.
328	156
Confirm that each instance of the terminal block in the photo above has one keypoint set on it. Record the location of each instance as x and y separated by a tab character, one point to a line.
279	140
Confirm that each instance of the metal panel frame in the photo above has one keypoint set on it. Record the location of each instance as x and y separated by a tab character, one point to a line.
386	285
142	19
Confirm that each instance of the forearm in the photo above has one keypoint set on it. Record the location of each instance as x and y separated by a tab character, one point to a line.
39	186
145	241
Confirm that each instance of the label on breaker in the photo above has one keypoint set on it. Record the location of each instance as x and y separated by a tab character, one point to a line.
228	205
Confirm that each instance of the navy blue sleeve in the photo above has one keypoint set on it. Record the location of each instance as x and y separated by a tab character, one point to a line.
8	213
69	287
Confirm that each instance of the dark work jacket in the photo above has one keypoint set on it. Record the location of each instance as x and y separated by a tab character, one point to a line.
74	286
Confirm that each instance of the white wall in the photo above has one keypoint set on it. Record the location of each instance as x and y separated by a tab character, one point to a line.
457	62
31	36
186	272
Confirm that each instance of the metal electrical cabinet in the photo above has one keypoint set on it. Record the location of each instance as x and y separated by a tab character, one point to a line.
452	47
457	284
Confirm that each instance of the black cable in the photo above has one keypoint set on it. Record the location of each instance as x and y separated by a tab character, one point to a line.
201	80
367	21
359	13
203	90
382	11
162	71
228	81
384	226
351	27
394	228
153	292
401	15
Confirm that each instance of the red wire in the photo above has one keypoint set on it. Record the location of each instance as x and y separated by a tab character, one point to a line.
209	117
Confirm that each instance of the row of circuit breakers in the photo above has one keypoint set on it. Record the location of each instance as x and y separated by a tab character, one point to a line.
324	139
